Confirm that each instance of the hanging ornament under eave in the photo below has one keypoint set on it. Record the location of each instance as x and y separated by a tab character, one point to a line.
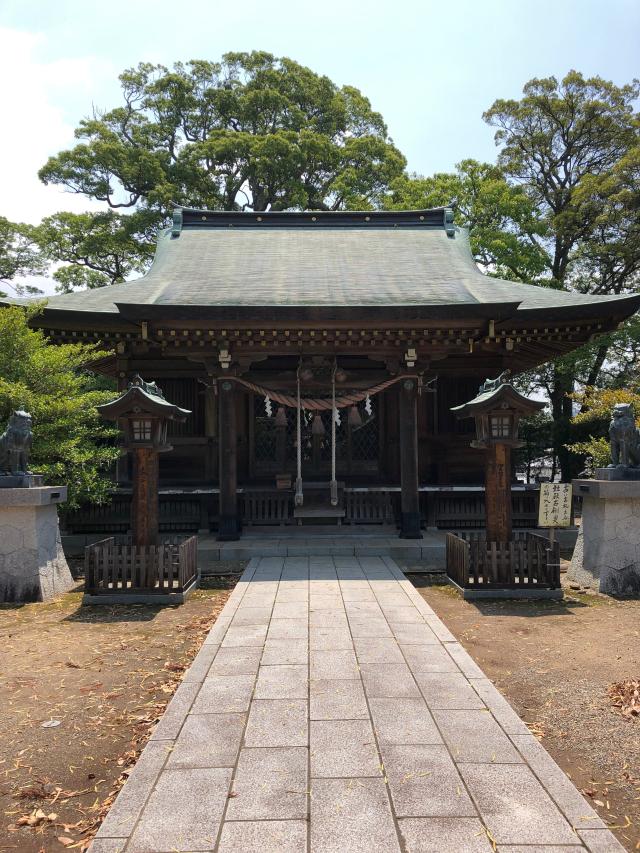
267	406
281	417
367	406
336	416
317	427
354	418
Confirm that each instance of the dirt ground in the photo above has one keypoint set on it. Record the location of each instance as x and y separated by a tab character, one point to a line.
555	662
80	690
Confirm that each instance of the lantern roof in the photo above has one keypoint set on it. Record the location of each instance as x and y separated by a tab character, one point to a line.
496	394
142	398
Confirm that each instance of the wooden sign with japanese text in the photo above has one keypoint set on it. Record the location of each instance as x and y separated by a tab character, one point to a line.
555	505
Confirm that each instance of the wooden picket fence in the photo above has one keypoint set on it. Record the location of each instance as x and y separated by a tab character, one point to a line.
527	561
114	567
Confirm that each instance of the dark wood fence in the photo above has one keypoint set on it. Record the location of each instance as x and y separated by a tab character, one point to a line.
115	567
196	510
362	507
527	561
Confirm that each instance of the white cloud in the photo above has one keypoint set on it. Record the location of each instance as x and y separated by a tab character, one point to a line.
35	126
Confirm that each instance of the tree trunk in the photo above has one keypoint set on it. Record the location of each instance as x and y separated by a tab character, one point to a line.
562	411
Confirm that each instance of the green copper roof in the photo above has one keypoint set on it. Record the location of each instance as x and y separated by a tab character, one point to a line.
385	259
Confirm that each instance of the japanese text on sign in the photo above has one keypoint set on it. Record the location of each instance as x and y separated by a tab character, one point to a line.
555	505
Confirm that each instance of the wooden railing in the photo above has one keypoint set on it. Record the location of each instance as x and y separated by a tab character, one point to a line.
528	560
466	511
363	507
267	507
113	567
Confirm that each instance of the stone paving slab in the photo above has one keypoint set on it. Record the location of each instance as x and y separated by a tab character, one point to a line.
331	711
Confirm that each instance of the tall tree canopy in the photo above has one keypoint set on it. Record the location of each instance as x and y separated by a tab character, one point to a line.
19	257
572	145
560	209
250	131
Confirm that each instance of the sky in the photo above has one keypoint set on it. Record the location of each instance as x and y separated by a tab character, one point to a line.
430	67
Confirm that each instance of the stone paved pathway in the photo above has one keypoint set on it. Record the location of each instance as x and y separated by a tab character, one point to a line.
331	711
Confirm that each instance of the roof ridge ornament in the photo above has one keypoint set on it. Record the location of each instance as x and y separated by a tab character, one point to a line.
176	228
447	218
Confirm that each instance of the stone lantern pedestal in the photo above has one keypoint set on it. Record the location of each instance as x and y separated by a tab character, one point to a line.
607	554
32	564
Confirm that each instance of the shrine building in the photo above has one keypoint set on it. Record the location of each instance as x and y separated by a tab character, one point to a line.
320	355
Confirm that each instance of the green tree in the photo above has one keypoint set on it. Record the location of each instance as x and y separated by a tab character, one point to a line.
72	445
19	257
566	144
500	217
96	249
252	131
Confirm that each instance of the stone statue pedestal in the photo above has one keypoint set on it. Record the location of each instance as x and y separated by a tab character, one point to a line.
32	563
607	554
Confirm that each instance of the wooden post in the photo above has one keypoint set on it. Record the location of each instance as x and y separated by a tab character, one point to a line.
211	432
144	501
410	498
229	524
498	492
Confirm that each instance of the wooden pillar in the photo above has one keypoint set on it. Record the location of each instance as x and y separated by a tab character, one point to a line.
498	492
229	523
410	498
144	501
211	433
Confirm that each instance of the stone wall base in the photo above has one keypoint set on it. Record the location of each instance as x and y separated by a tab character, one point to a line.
32	563
607	553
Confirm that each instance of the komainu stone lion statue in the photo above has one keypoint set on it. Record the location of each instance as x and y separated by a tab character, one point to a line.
625	437
15	444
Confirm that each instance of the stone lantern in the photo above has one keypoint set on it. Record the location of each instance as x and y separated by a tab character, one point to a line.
143	414
497	410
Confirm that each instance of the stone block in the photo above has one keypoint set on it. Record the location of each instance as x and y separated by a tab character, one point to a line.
245	635
236	660
445	835
475	736
447	690
384	681
251	616
285	651
600	841
378	650
504	790
197	798
369	627
224	694
277	722
261	836
201	663
351	815
428	659
334	664
558	786
403	721
337	700
407	633
288	629
330	638
342	748
424	782
270	784
208	740
282	681
176	712
499	707
32	563
123	814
